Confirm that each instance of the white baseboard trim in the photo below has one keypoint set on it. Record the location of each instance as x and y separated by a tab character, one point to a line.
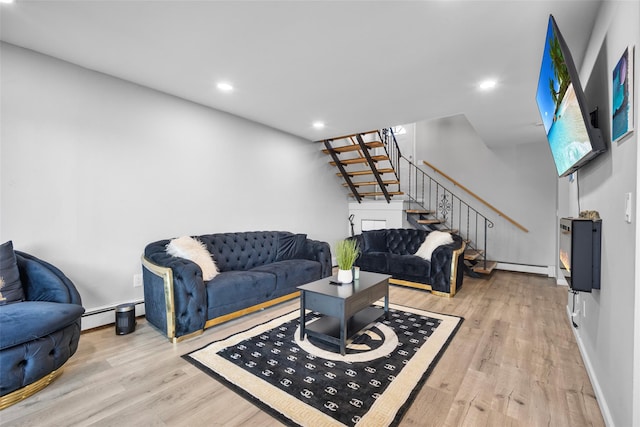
101	316
600	398
548	271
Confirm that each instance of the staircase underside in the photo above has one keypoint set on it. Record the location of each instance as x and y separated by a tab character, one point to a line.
364	164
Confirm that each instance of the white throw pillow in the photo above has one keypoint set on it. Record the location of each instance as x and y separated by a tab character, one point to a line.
194	250
433	240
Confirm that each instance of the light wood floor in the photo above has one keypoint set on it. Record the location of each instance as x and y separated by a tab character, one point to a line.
514	362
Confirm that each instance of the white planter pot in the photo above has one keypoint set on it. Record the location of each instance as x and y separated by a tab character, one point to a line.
345	276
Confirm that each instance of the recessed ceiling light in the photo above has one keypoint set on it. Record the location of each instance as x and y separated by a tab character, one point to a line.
6	1
487	84
318	125
225	87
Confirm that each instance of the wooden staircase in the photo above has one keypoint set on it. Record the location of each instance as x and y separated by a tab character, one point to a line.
369	164
364	164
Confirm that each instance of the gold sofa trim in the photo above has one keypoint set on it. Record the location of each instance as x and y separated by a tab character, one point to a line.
28	390
166	274
225	318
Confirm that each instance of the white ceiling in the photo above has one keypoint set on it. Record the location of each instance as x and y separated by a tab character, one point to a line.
357	65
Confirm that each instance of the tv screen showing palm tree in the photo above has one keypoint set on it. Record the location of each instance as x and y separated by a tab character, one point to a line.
558	99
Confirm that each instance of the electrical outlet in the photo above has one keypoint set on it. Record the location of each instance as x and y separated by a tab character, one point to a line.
584	308
137	280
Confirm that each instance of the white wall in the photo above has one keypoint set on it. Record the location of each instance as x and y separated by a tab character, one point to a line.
519	180
605	331
93	168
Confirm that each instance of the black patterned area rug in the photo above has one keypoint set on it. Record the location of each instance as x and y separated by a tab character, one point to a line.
308	383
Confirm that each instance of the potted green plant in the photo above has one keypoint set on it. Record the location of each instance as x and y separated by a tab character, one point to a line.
347	252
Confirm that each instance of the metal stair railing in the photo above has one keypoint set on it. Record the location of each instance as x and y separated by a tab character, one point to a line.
427	193
391	149
455	213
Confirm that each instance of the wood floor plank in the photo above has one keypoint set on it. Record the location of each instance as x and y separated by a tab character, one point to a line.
451	370
472	403
513	362
512	393
431	406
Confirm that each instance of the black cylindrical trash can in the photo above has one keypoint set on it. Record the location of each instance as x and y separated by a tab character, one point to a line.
125	319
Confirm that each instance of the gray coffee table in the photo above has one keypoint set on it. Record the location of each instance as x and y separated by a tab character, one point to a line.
346	308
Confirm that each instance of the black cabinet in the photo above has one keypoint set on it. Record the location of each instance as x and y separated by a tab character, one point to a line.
580	252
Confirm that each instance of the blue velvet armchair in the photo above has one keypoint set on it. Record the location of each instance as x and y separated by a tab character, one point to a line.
39	331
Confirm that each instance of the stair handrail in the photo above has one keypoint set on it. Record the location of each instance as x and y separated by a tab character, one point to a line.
480	199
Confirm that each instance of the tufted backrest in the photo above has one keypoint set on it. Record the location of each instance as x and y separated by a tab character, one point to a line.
246	250
399	241
242	251
44	282
404	241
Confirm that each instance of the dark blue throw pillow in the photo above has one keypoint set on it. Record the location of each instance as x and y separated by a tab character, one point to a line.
10	285
290	246
374	241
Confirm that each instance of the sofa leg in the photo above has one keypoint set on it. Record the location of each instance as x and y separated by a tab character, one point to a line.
181	338
442	294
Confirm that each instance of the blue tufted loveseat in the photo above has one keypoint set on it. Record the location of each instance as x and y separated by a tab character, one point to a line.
390	251
257	269
40	333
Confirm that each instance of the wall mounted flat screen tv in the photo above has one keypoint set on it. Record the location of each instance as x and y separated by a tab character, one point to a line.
573	139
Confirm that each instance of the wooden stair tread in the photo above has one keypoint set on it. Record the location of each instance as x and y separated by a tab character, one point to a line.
364	183
418	212
429	221
472	254
354	147
357	160
378	193
480	268
367	172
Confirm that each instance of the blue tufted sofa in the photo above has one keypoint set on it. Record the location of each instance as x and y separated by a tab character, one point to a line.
40	333
390	251
257	269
